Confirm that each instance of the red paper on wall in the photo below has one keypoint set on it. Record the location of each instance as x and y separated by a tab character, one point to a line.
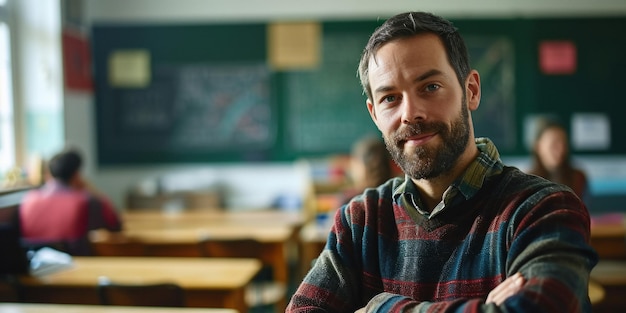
76	62
557	57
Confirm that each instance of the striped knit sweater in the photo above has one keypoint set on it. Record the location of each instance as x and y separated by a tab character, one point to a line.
386	254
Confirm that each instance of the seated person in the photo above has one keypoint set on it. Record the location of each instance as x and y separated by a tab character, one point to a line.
370	166
63	211
551	158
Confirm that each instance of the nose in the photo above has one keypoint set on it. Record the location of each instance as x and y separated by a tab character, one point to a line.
412	110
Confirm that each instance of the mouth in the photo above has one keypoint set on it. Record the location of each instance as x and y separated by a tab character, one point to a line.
418	140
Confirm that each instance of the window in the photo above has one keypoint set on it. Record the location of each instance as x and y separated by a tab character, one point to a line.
7	146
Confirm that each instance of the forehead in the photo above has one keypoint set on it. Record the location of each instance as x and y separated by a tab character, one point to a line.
554	133
423	52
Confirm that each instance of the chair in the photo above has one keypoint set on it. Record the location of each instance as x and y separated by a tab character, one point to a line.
10	288
157	294
264	290
59	245
104	243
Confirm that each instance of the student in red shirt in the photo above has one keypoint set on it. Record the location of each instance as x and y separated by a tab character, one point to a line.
66	208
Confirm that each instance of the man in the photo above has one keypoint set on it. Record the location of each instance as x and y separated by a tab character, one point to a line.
461	231
65	208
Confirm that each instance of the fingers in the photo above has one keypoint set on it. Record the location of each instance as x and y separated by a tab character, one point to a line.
507	288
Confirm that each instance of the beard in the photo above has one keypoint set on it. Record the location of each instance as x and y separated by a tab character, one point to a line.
430	162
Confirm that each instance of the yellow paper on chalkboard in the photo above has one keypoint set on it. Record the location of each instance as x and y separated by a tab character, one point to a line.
294	45
129	68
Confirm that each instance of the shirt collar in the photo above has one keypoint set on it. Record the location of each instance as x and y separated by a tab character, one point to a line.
487	164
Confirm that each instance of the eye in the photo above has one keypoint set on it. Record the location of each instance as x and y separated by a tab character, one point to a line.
432	87
389	99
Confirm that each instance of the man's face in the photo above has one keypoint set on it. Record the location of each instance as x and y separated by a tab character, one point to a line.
419	106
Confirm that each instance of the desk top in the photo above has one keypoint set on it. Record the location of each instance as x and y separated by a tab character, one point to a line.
263	217
74	308
194	233
609	272
315	232
189	273
192	226
596	292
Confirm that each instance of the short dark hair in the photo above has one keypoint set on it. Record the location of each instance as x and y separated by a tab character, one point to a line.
407	25
65	164
372	152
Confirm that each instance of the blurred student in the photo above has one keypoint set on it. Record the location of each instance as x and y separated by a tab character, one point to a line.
551	158
63	211
370	166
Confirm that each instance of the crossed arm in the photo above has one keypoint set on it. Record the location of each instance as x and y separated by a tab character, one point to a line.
504	290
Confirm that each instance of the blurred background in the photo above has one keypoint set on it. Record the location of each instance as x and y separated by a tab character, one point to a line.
235	106
252	100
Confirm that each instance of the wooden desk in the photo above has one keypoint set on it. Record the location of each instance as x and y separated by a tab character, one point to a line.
208	282
596	293
75	308
191	233
179	233
184	241
160	219
312	238
609	239
611	275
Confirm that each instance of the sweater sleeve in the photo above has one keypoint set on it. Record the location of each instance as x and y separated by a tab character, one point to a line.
331	285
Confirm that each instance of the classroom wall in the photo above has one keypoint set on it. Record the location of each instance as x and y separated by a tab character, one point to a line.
256	185
166	11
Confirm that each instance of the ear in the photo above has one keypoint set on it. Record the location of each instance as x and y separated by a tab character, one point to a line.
371	110
472	90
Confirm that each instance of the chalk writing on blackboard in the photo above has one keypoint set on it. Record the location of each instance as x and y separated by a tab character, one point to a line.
226	107
201	107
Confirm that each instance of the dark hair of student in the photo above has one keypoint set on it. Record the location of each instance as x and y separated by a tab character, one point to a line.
408	25
373	154
65	164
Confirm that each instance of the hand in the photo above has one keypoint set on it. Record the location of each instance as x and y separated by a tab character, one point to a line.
505	289
79	182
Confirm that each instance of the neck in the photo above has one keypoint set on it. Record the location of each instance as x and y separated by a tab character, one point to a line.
432	189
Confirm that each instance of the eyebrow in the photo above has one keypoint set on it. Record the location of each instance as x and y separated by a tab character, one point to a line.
422	77
427	75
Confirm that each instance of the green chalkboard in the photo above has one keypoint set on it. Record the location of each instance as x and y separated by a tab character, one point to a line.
208	97
213	97
325	108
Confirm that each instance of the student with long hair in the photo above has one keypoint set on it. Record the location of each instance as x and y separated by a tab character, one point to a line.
551	158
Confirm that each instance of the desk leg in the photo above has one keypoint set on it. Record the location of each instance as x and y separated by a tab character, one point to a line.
277	257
